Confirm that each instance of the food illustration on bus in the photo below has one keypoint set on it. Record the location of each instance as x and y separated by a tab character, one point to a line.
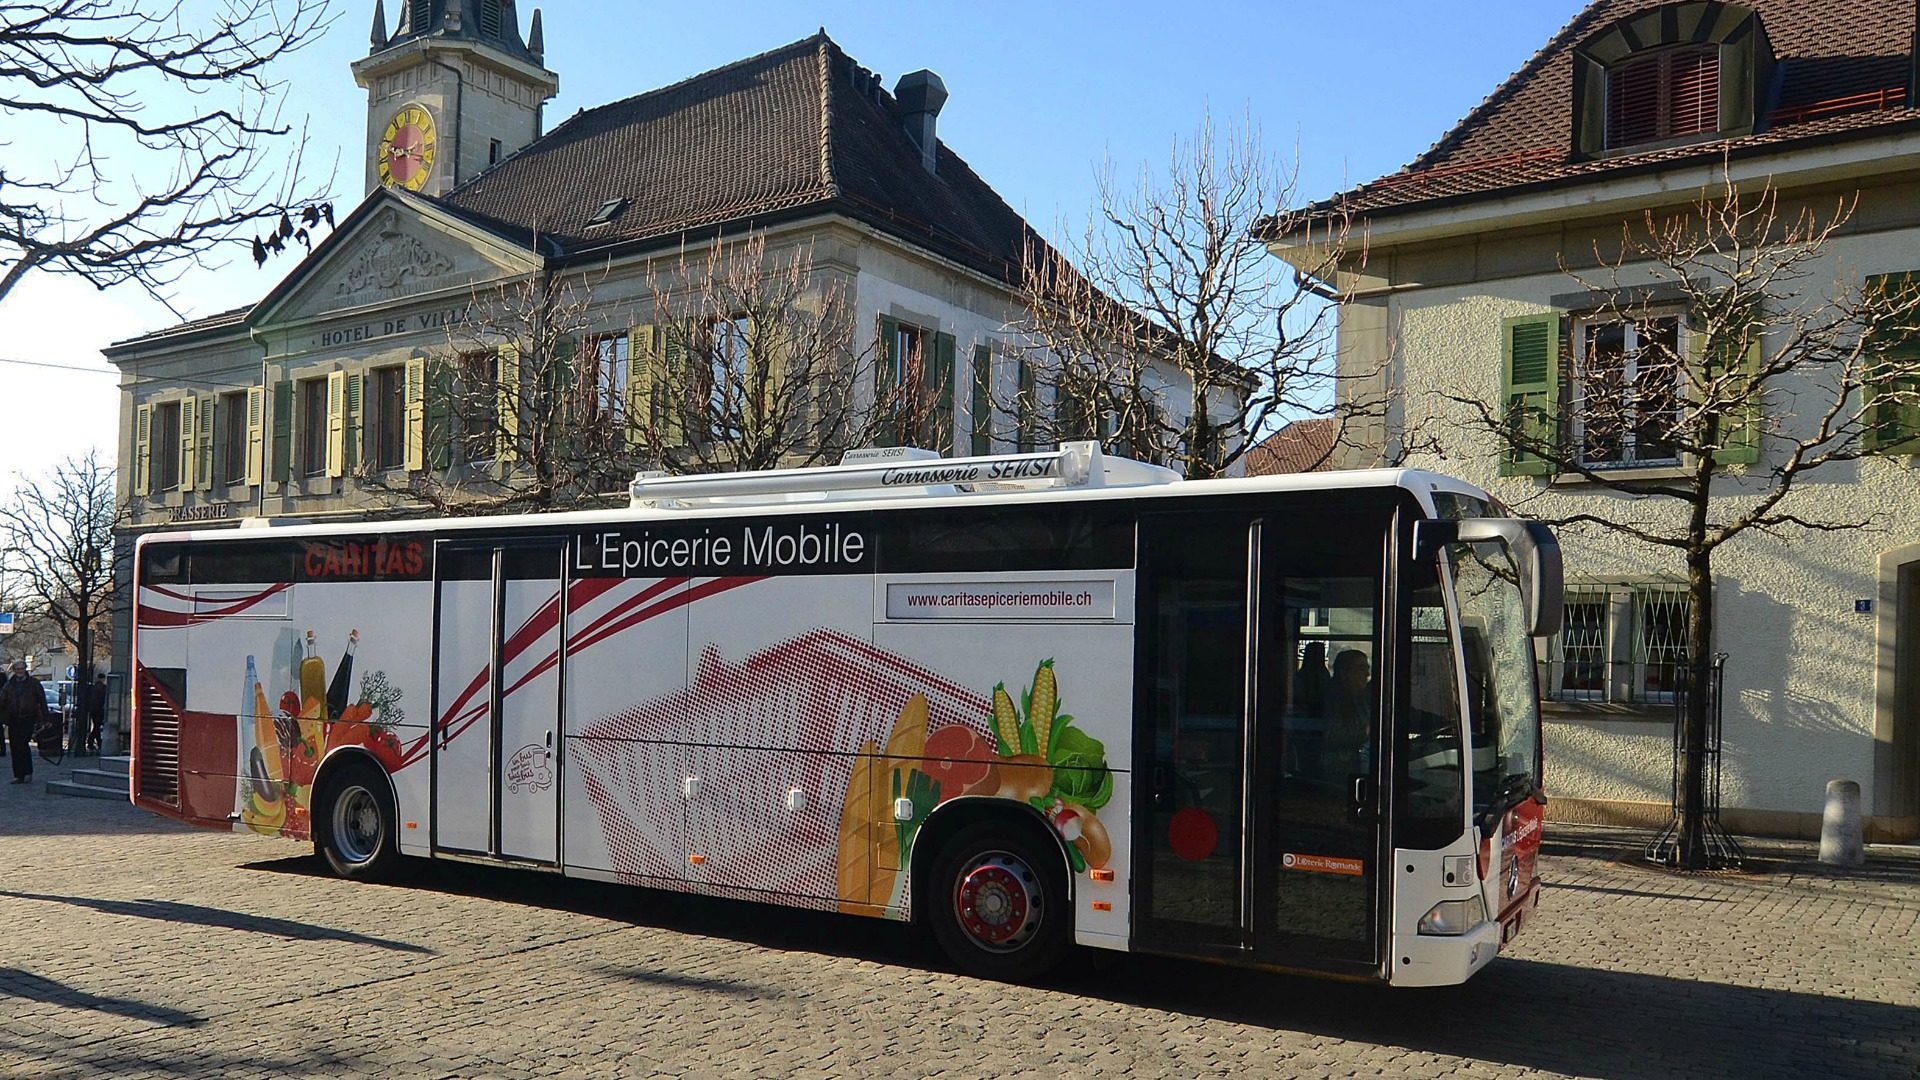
282	743
1032	752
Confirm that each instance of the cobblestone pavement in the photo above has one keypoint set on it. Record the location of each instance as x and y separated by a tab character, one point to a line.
134	947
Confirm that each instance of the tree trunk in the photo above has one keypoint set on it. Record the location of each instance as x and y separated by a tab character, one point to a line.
1698	686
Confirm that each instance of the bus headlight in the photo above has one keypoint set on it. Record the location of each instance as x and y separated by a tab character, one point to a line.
1451	918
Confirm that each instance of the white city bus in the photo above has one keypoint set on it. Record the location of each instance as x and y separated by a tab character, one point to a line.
1027	700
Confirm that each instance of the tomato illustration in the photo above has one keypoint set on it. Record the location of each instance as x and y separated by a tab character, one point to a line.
386	746
961	761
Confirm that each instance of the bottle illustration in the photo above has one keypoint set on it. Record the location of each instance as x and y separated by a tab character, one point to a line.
262	809
313	674
341	686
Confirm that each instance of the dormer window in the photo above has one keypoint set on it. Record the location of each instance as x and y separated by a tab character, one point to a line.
1667	94
607	212
1677	72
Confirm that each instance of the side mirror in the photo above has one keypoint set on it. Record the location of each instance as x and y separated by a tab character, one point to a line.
1535	552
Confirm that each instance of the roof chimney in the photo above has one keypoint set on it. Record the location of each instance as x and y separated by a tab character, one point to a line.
921	94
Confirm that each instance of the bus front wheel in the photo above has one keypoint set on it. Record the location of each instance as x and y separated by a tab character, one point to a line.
354	830
999	906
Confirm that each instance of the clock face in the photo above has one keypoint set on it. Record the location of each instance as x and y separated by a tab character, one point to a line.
407	148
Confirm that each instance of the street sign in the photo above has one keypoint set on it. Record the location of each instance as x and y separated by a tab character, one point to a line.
72	672
6	622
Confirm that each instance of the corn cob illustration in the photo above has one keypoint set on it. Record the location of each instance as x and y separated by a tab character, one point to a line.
1044	702
1006	719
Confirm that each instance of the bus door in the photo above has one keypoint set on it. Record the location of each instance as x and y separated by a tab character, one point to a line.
496	738
1257	829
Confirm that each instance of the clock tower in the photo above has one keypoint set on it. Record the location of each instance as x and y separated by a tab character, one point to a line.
452	90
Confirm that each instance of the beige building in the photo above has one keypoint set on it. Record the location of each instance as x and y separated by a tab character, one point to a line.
316	402
1475	251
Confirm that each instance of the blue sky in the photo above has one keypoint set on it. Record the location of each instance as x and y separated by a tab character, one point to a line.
1041	93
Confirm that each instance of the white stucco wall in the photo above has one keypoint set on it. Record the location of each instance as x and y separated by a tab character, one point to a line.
1800	698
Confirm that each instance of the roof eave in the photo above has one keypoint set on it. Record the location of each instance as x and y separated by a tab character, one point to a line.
1413	221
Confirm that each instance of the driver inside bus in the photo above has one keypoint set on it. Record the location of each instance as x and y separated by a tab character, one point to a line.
1350	715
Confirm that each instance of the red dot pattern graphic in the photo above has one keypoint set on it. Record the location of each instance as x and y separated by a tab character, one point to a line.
793	715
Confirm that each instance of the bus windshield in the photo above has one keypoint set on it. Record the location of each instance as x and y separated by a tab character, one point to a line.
1503	712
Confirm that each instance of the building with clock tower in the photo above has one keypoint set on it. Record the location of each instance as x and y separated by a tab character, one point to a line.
452	90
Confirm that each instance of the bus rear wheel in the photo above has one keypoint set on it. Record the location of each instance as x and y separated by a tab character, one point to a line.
354	830
999	904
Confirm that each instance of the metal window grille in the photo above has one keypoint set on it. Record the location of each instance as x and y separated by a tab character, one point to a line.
1583	654
1660	642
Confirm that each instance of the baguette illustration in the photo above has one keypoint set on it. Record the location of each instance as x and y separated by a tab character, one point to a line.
857	833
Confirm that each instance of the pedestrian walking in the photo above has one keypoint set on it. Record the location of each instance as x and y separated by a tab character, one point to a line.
96	713
22	705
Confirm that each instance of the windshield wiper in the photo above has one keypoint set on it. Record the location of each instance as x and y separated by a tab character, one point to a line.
1513	791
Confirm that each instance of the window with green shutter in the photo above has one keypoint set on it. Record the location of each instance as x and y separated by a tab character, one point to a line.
1892	391
1529	393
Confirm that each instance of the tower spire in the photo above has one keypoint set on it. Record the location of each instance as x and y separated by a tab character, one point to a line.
537	39
379	37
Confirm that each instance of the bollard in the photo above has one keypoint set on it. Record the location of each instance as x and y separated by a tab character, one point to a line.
1840	826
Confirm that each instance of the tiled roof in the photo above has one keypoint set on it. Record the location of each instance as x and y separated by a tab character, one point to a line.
1844	69
1302	446
796	128
222	320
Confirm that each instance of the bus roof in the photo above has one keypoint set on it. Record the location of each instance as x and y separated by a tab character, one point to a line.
1420	483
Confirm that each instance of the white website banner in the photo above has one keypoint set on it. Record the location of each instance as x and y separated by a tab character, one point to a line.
1027	601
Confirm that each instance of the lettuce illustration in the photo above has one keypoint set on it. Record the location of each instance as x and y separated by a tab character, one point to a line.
1080	773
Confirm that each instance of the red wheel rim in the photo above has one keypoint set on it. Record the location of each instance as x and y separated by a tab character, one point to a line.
996	902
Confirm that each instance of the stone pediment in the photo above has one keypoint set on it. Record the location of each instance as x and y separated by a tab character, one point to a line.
394	254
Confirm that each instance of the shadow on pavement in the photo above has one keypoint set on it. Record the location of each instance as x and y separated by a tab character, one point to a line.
53	1055
1530	1014
27	986
172	911
696	983
1521	1013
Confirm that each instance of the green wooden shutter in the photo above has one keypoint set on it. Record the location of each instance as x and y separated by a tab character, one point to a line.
256	433
205	468
506	403
981	407
415	391
1891	395
440	416
1028	406
355	422
641	358
1738	437
142	448
283	431
189	443
1529	391
336	423
678	391
943	403
884	388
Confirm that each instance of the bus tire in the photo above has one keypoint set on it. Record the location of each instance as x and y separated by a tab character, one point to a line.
999	906
354	828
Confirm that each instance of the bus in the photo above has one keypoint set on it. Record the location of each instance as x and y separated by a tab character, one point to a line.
1026	701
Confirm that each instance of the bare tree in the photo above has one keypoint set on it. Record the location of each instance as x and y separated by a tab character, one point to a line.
748	361
161	120
60	555
1715	342
520	415
1168	327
